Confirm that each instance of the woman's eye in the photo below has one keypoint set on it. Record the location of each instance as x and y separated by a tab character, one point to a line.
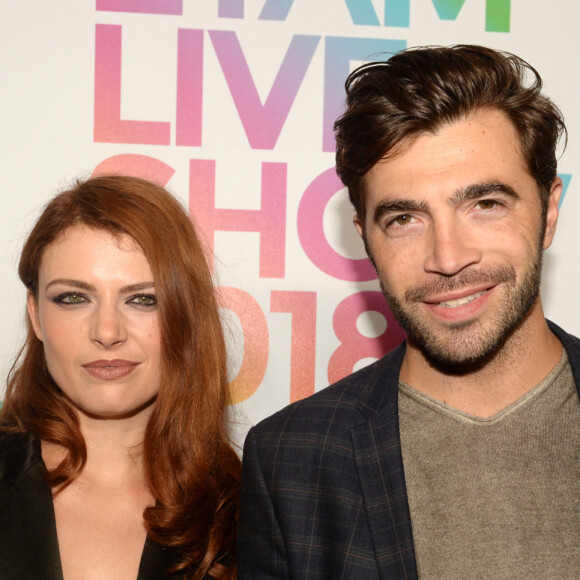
70	298
144	300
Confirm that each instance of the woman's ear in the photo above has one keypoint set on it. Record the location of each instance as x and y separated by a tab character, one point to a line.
33	314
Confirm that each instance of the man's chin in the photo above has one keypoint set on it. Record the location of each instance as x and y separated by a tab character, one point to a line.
463	347
460	363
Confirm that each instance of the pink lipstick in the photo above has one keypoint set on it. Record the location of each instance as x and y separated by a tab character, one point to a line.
110	370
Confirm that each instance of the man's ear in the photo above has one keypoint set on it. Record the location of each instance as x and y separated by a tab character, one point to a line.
33	314
360	228
358	225
552	212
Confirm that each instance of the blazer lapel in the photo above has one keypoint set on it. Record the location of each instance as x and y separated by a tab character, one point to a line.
154	562
28	542
572	346
157	560
377	450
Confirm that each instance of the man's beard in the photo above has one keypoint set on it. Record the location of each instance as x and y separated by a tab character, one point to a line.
462	347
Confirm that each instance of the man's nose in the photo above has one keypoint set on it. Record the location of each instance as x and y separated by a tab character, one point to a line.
451	248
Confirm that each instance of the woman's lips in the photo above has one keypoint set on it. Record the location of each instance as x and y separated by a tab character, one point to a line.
110	370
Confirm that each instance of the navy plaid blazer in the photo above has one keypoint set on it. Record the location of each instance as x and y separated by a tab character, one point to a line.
323	488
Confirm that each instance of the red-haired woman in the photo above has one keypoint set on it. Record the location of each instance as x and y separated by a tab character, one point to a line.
115	460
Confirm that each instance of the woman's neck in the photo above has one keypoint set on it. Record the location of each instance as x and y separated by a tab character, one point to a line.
114	450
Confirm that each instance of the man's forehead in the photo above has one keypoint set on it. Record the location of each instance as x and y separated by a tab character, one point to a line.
481	148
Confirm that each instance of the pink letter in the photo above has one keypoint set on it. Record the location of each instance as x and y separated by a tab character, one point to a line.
270	220
255	329
231	9
109	128
263	123
311	232
189	87
302	307
142	6
339	53
137	166
353	345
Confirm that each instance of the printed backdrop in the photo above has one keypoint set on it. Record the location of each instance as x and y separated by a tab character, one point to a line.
230	103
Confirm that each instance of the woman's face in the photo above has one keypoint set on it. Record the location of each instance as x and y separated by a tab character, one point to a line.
96	314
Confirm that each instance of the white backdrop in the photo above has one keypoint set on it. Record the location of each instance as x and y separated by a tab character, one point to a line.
230	102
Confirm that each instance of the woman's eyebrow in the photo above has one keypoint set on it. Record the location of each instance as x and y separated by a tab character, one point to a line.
90	288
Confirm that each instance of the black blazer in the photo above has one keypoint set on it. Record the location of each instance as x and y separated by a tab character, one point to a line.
323	488
28	541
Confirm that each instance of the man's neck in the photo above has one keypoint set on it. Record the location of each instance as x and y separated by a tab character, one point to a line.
528	355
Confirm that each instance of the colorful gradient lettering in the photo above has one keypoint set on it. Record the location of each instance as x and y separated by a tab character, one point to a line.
256	340
353	345
189	106
339	53
397	13
311	232
497	13
263	123
276	10
108	125
362	12
174	7
302	307
269	221
566	178
231	9
136	165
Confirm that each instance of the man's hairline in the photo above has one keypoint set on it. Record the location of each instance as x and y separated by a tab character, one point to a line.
406	142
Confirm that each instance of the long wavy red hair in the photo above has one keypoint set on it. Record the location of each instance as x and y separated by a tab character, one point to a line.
190	466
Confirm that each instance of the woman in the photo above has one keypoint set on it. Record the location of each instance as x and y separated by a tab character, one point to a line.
114	455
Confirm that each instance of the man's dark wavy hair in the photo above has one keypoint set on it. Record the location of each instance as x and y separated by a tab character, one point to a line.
421	89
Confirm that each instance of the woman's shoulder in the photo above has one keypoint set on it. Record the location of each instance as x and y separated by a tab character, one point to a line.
18	452
13	439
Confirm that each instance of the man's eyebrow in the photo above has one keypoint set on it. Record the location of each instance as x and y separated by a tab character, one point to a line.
398	205
89	288
470	192
479	190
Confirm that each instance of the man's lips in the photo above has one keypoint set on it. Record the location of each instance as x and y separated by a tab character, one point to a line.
110	369
459	306
458	298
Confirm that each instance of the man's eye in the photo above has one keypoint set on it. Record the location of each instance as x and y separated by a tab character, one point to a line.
487	203
403	220
144	300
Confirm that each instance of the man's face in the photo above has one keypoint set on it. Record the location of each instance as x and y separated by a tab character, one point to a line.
454	225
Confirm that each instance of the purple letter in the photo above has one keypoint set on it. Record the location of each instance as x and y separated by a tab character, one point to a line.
263	123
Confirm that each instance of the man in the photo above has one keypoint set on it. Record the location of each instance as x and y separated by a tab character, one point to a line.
456	455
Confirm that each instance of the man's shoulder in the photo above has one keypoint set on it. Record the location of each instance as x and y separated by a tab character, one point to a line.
572	346
341	405
570	342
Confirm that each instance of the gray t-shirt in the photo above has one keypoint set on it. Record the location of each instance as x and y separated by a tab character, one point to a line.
495	497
